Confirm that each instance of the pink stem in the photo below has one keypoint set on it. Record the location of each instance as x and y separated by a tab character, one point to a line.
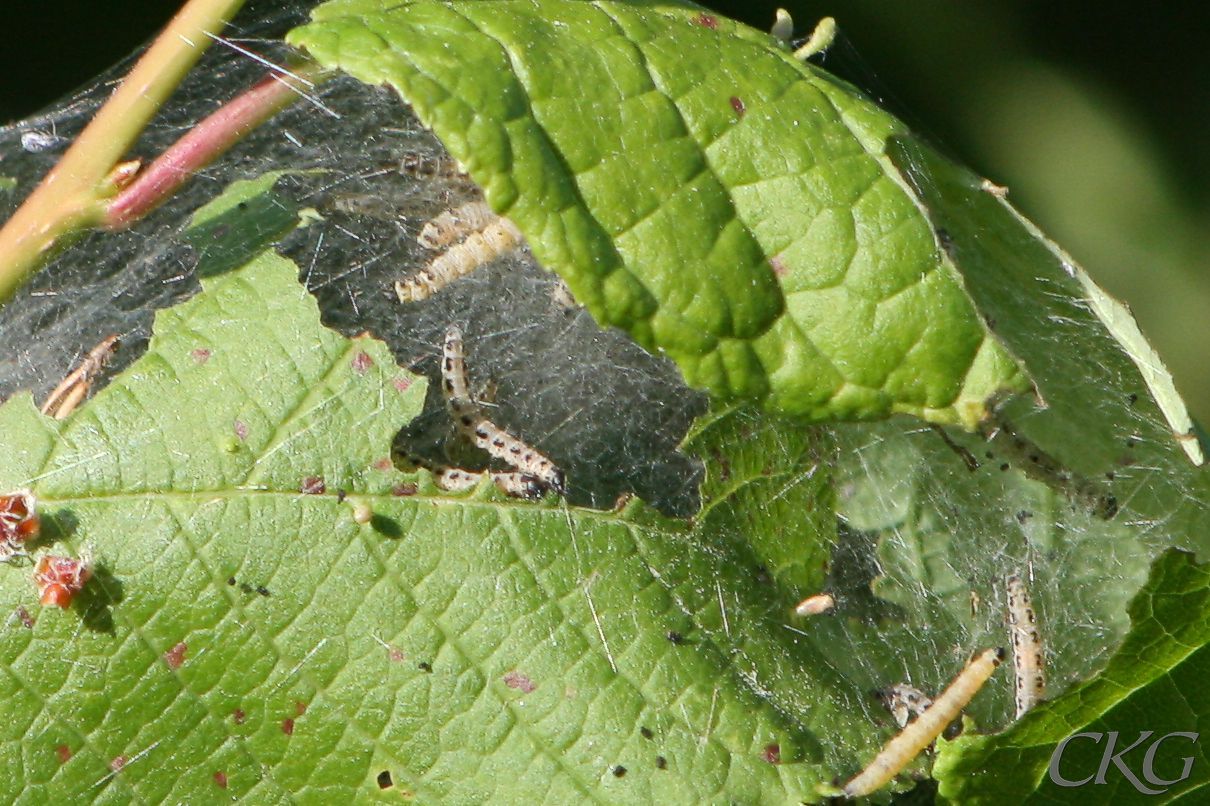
202	145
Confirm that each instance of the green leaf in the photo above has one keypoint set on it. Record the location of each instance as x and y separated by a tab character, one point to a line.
244	219
944	534
244	632
1110	411
1155	682
698	187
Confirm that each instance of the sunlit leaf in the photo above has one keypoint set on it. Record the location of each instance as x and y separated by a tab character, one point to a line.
697	186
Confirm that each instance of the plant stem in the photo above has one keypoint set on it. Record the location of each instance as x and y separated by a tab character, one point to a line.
72	196
204	143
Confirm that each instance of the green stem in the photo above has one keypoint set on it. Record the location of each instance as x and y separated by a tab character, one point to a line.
72	196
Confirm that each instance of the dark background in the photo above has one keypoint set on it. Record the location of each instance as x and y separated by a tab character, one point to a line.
1095	116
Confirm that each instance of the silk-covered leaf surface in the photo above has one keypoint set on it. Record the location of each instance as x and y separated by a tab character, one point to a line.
247	634
783	239
698	187
1155	683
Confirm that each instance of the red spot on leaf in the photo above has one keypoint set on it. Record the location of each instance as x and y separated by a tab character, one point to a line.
361	362
64	753
118	763
772	753
238	716
200	355
384	464
403	384
220	778
405	489
25	618
737	104
778	266
519	681
176	656
300	708
313	485
59	579
287	727
241	429
18	522
396	654
707	21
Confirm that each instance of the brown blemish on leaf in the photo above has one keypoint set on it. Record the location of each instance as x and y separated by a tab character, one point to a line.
737	104
361	362
707	21
519	681
176	656
313	485
200	355
64	753
118	763
287	726
772	753
396	654
384	464
220	778
724	465
300	707
240	429
238	716
405	489
24	617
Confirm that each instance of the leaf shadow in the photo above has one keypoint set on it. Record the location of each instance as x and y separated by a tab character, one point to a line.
96	601
56	527
387	527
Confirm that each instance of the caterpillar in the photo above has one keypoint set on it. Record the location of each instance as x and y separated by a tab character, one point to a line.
480	247
455	224
1029	659
899	751
483	432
